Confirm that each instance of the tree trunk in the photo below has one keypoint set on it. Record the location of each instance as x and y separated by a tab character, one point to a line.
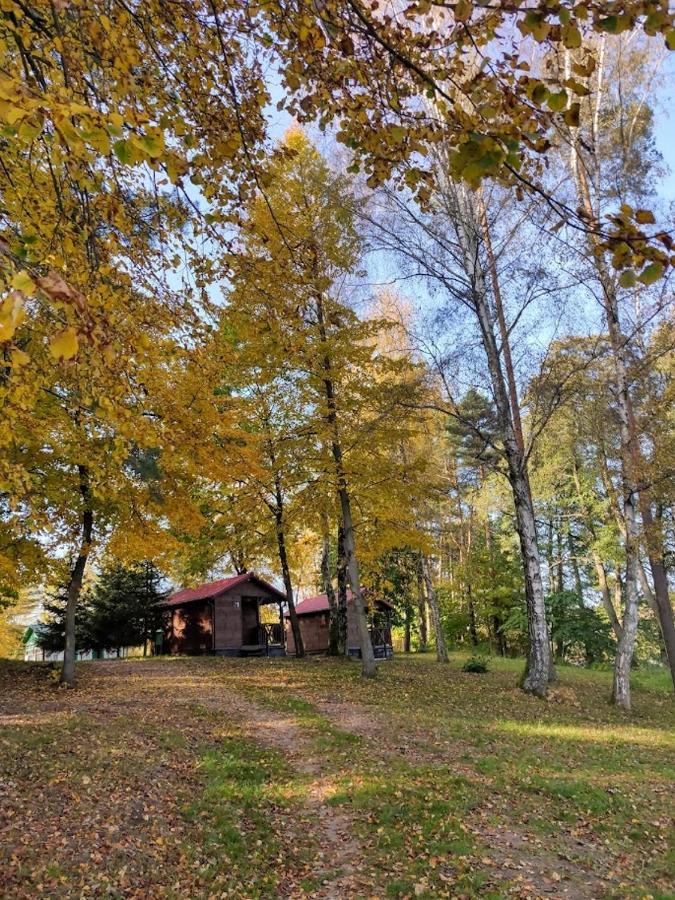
549	557
559	561
469	596
629	450
539	670
76	576
503	330
496	618
654	544
368	664
441	650
333	621
664	610
473	632
342	591
607	601
626	646
286	571
421	611
576	571
499	635
650	597
533	584
406	630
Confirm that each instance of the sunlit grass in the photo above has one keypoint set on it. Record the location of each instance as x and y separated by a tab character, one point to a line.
597	735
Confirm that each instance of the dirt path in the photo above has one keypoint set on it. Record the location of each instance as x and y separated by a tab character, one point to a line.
340	861
394	736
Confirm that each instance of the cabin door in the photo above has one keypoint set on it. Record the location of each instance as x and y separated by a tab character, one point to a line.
250	620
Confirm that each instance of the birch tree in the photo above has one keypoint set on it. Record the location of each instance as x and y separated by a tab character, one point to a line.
609	158
449	249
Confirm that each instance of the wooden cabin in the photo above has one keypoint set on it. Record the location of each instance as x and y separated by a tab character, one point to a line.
223	617
313	615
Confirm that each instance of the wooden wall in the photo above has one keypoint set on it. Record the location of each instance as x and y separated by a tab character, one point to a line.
189	629
231	629
314	630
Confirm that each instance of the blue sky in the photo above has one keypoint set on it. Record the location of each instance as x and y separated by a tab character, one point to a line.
665	141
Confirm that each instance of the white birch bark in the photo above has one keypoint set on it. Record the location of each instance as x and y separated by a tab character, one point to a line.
539	669
432	600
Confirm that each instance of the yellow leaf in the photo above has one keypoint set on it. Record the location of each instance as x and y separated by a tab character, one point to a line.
64	345
463	10
19	358
29	130
644	217
12	315
14	114
24	283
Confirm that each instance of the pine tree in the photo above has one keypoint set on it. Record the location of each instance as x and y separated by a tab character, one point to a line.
122	609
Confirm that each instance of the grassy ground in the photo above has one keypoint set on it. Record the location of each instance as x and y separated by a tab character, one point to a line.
283	778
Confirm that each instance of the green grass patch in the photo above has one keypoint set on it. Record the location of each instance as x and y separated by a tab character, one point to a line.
412	820
246	789
579	795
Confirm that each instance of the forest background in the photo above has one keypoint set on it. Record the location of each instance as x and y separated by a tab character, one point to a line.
448	381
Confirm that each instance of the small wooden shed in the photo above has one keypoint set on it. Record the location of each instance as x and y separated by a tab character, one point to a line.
223	617
313	615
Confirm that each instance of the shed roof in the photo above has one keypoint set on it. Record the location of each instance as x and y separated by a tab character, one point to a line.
216	588
320	604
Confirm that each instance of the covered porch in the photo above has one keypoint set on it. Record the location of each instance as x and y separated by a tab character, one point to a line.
314	618
261	626
265	639
380	637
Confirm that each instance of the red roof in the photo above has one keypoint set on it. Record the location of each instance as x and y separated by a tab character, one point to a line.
320	604
215	588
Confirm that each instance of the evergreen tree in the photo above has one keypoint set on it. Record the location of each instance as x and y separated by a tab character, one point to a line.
123	609
52	634
119	611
